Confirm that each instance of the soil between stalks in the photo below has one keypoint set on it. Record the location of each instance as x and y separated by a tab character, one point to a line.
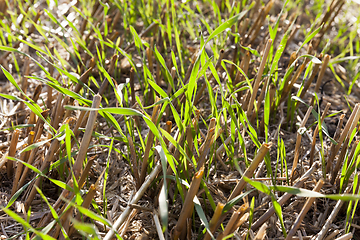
221	173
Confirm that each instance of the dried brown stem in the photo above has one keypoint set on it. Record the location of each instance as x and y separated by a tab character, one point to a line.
285	197
86	204
48	158
260	98
134	162
24	157
86	171
116	19
136	198
292	35
214	220
55	110
205	148
264	149
331	218
87	137
262	232
332	235
298	142
168	129
188	203
351	155
345	237
309	81
132	86
244	66
321	75
256	23
11	153
233	222
349	127
324	30
38	132
240	222
304	210
294	79
142	34
149	143
110	70
82	80
258	78
336	137
125	225
234	60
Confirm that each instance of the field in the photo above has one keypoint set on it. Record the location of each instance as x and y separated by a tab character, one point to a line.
212	119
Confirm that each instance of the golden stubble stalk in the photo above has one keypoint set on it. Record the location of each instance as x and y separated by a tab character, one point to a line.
48	158
83	79
3	8
321	75
132	86
214	220
258	78
304	210
288	86
254	31
149	143
24	157
64	218
110	70
312	77
346	236
35	97
325	23
264	149
133	162
87	137
349	127
234	221
298	142
24	80
262	232
66	194
69	195
38	132
208	137
263	14
11	153
205	148
188	205
86	204
245	62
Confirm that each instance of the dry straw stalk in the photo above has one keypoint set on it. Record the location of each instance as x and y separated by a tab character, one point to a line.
87	137
188	203
304	210
285	197
298	142
264	149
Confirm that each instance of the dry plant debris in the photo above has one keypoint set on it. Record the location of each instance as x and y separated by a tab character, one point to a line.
179	119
